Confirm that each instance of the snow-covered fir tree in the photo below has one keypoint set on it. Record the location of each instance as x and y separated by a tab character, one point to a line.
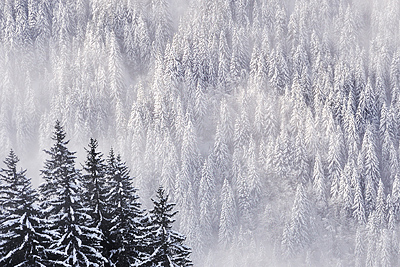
21	229
74	241
125	220
93	192
166	246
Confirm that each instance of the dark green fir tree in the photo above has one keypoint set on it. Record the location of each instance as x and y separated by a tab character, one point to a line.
165	245
20	229
75	242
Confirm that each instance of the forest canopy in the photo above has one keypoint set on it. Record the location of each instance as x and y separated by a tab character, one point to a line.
273	125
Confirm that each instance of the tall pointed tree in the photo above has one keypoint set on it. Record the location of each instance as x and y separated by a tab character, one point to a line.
207	202
94	191
319	183
20	227
74	242
370	166
228	219
94	182
299	230
125	217
165	245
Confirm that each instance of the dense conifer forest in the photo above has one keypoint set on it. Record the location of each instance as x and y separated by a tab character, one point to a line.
91	218
274	125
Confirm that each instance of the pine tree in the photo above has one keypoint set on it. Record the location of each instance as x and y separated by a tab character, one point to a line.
115	69
170	165
224	56
300	159
125	219
191	164
319	183
189	221
345	190
227	220
359	247
254	179
335	160
300	224
163	24
283	157
370	168
165	245
381	207
223	138
359	212
373	240
94	183
367	109
21	228
396	197
94	191
386	249
350	128
74	242
207	202
279	71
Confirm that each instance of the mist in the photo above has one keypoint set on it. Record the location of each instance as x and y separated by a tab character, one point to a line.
274	125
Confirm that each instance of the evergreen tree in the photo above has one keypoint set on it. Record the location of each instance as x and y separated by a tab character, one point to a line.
279	71
165	245
373	240
163	23
350	128
359	212
345	190
223	138
94	183
367	109
125	219
319	183
170	165
300	160
381	207
74	242
191	164
94	191
207	202
335	160
359	247
223	67
370	172
396	197
228	216
254	179
386	249
21	228
300	223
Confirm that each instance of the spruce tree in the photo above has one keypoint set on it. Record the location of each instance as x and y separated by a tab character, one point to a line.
94	190
299	230
75	242
319	184
94	182
227	219
207	203
370	169
359	212
20	229
125	218
165	245
359	250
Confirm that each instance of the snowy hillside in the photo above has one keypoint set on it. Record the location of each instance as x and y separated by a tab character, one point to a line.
274	125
